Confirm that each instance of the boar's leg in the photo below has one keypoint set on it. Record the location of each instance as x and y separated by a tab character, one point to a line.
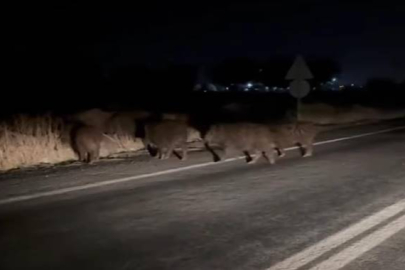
270	156
160	153
153	150
308	145
166	152
257	155
247	156
184	151
214	154
93	156
82	156
280	151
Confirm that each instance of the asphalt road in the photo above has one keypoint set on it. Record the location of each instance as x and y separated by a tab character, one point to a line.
343	208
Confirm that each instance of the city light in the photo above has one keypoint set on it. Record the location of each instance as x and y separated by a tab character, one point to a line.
249	85
334	79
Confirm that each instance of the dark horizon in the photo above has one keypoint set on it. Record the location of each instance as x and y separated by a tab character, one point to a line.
367	39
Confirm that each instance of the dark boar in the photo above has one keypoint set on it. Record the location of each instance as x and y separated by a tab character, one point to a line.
86	142
165	136
245	137
301	134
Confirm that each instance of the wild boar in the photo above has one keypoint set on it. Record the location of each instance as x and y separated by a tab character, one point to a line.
86	142
301	134
245	137
165	136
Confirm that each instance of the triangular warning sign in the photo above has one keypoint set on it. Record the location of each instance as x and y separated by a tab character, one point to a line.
299	70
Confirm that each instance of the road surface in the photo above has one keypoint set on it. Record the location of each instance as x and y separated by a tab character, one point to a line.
343	208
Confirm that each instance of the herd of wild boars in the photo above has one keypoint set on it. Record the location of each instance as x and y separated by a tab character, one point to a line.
162	137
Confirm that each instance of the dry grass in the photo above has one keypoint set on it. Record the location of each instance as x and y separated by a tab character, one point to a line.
116	143
27	141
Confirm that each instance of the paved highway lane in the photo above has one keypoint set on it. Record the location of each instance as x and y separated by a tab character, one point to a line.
344	208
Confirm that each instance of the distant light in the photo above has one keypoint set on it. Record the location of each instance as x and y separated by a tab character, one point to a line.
267	88
314	88
260	70
227	88
274	88
246	89
249	85
352	84
334	79
288	88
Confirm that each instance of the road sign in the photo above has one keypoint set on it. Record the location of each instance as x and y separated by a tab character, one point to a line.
299	88
299	70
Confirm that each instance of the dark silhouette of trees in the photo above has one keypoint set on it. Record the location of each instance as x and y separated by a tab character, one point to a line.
384	91
324	69
131	78
272	71
402	86
176	79
142	86
381	86
235	71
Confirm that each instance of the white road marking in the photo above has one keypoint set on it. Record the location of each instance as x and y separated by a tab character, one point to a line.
351	137
360	135
109	182
170	171
359	248
311	253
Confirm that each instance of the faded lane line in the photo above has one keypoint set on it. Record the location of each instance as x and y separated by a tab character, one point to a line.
351	137
364	245
110	182
170	171
360	135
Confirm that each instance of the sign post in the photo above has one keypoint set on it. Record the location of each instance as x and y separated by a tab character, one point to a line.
299	87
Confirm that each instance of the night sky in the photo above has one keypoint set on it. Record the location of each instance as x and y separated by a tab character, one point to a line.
368	39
